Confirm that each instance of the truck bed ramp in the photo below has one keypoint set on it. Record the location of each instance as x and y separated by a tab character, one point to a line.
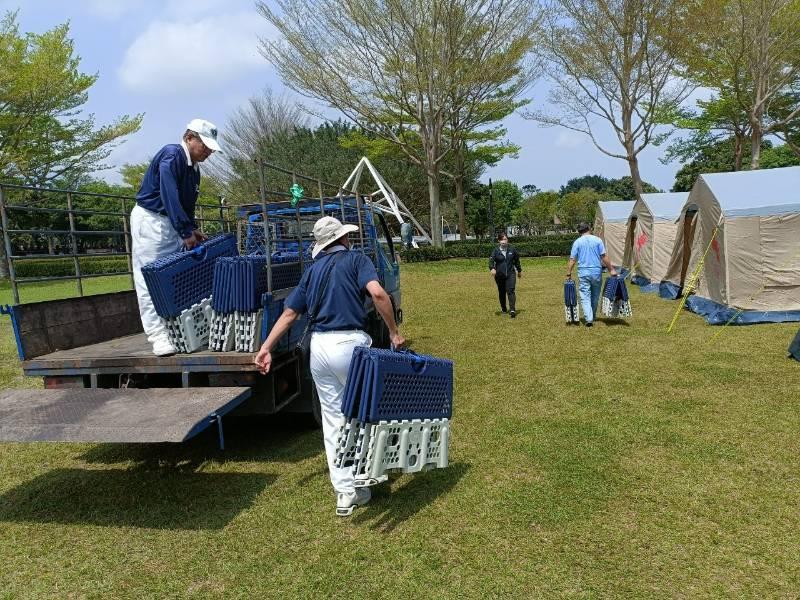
115	415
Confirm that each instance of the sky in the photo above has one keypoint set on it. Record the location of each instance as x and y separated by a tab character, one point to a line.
175	60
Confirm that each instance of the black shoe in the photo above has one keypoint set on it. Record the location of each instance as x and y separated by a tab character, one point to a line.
589	323
503	310
513	314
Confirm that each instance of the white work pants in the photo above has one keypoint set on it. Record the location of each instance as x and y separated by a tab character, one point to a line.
331	353
152	237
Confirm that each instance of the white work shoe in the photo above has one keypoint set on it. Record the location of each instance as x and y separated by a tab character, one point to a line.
163	347
345	503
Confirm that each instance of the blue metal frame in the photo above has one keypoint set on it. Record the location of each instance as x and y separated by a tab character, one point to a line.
216	417
7	309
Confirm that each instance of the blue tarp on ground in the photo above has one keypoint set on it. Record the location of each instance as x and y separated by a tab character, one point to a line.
794	347
719	314
644	284
669	291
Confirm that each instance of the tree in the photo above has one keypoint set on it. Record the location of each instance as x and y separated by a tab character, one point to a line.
42	137
721	157
529	190
463	166
254	132
258	131
407	71
779	156
579	206
613	61
476	147
328	151
717	157
506	198
720	118
789	131
507	192
595	182
611	189
480	141
625	189
133	174
749	51
536	213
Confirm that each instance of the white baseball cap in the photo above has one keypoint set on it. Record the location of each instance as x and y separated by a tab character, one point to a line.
207	132
326	231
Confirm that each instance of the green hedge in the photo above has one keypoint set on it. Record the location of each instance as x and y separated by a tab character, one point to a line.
62	267
516	240
545	245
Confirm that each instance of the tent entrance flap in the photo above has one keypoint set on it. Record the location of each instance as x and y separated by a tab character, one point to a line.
115	415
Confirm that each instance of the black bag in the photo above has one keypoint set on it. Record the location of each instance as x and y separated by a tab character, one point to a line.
303	345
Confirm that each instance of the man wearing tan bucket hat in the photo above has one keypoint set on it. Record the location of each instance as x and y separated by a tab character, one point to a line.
333	291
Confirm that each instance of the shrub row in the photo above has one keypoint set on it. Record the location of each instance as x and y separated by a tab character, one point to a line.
545	245
550	245
63	267
516	240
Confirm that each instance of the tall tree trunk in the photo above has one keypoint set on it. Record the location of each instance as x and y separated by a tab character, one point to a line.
629	144
756	136
462	218
738	148
436	209
633	163
459	181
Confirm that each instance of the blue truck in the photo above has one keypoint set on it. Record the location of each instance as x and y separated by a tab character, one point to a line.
103	384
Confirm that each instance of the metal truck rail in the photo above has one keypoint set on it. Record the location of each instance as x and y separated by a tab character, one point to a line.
95	342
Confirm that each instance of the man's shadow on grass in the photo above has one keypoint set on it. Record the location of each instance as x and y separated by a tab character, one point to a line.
164	486
286	438
614	322
391	507
161	499
518	312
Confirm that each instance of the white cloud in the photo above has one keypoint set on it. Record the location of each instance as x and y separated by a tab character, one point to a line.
569	139
179	57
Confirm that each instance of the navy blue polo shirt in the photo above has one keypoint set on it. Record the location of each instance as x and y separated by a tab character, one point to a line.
342	306
170	187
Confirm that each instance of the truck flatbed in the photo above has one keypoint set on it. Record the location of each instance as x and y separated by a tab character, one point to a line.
134	351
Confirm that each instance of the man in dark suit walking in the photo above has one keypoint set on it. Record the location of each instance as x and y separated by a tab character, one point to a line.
505	267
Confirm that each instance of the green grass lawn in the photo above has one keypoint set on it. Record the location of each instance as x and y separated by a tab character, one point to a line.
617	461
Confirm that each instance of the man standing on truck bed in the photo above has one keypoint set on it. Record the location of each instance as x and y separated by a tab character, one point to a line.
162	222
333	291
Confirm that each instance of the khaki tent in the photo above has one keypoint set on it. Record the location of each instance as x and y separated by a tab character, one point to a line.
650	236
747	225
610	224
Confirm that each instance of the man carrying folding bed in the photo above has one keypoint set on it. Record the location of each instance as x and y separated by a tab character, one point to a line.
590	254
162	222
333	291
